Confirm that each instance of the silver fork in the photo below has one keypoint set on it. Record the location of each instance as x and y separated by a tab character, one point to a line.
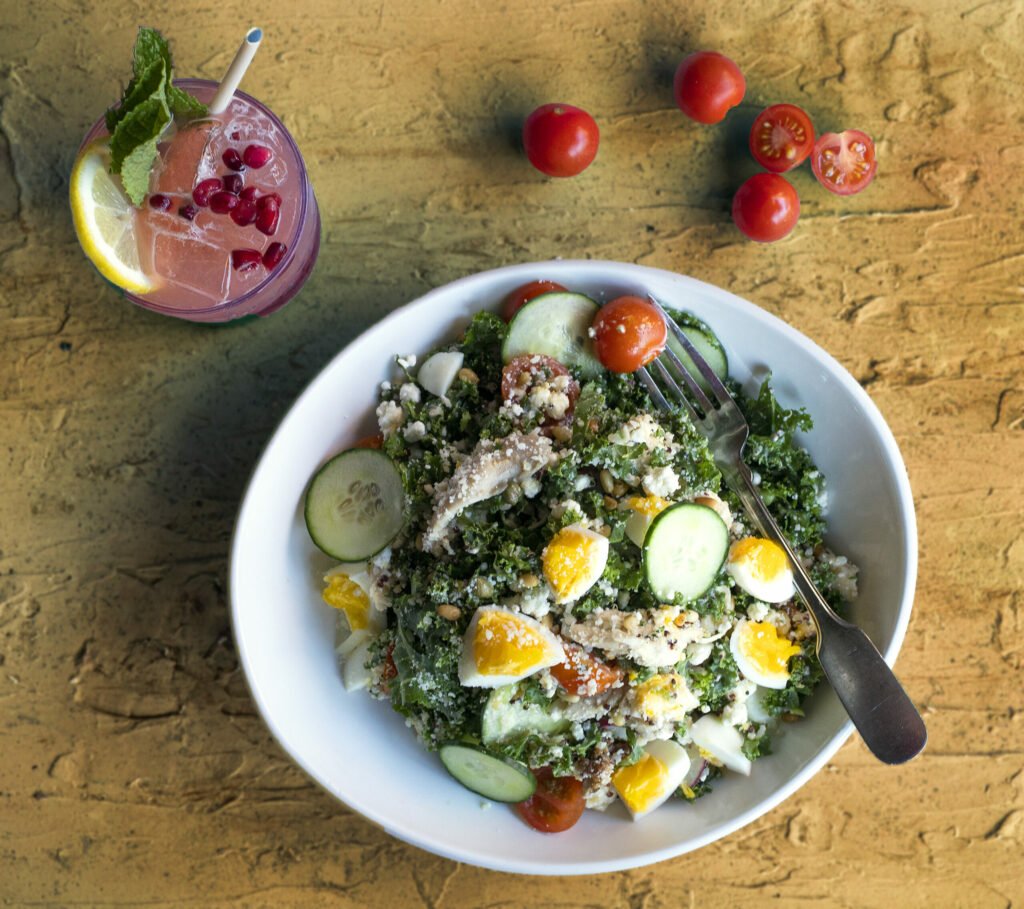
884	715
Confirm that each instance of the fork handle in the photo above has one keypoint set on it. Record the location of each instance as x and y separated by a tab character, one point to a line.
881	710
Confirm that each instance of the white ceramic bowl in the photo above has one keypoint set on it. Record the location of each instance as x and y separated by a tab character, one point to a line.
361	751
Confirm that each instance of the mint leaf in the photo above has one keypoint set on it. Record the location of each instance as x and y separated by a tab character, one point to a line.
149	104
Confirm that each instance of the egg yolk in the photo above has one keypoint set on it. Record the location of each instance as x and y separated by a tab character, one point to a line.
659	694
641	783
766	649
765	558
502	645
343	593
567	561
651	506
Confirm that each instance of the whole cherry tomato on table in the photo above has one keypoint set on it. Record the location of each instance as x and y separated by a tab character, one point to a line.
766	207
556	804
560	140
781	138
629	332
707	85
524	294
844	163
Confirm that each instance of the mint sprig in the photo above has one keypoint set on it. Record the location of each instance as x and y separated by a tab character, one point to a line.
149	104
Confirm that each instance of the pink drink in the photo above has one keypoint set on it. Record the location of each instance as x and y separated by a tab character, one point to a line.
237	251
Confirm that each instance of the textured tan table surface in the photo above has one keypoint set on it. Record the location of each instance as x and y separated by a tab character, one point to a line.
135	770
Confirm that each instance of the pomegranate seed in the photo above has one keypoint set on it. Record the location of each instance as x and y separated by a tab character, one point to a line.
188	211
268	213
222	202
274	254
244	212
250	193
275	197
244	259
159	201
201	194
257	155
232	183
233	159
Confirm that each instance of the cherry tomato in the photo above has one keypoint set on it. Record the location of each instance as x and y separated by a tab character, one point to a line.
844	163
560	140
580	669
707	85
629	332
523	295
781	138
528	370
766	207
555	805
376	441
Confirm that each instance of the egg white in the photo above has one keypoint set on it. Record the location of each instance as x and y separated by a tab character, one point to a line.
470	675
596	553
742	642
745	572
677	763
722	742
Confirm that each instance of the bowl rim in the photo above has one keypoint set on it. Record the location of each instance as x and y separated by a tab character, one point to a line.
551	268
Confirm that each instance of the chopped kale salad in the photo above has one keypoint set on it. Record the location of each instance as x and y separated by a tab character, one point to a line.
544	573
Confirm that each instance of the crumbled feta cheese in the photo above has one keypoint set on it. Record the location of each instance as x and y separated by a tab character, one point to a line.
409	392
407	362
414	431
757	611
660	481
389	417
530	486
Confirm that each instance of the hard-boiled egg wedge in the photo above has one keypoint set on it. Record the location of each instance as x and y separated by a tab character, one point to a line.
347	588
501	647
645	785
664	696
720	742
761	653
761	568
573	561
643	510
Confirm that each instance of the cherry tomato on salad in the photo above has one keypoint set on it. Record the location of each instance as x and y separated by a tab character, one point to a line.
707	85
582	673
781	138
556	804
844	163
766	207
528	371
560	140
629	332
523	295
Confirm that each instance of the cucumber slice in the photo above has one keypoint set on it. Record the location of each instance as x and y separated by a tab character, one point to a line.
492	777
507	718
708	346
555	325
684	551
355	504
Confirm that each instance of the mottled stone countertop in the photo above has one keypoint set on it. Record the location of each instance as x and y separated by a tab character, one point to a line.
135	769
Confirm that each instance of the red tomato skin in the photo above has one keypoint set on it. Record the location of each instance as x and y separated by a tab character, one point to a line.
556	805
560	140
580	669
794	124
524	294
535	364
629	332
862	162
766	207
374	441
707	85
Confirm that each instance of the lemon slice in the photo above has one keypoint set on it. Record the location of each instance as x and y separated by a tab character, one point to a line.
104	220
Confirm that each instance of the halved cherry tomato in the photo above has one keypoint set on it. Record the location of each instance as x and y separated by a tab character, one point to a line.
781	138
375	441
523	295
766	207
582	673
560	140
629	332
555	805
529	370
844	163
707	85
